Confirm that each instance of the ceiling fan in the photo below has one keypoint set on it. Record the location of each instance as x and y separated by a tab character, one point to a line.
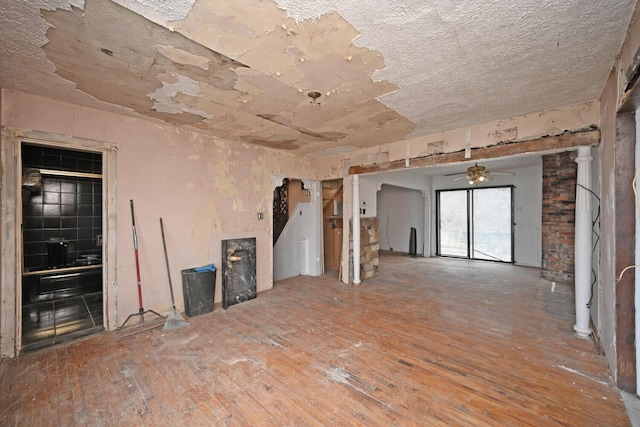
477	174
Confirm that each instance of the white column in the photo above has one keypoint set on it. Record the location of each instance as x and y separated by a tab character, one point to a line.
355	205
583	242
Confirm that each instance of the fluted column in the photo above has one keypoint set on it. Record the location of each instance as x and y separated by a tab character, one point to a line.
583	242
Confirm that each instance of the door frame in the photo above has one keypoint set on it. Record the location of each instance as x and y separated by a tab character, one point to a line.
11	228
470	228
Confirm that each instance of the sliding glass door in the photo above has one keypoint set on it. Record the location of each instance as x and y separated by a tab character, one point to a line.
453	219
476	223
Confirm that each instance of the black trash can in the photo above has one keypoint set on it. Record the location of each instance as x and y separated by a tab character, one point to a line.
412	243
198	288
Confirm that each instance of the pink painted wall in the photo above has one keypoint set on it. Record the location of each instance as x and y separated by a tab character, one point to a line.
205	189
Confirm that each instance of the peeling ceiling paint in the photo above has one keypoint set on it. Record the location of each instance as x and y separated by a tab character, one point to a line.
241	69
466	62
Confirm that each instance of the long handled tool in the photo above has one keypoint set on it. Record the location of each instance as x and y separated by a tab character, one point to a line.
175	319
142	324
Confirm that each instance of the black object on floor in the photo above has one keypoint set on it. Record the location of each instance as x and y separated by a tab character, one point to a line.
198	288
412	243
238	271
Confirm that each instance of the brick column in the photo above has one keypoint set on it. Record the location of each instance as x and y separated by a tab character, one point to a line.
369	247
559	173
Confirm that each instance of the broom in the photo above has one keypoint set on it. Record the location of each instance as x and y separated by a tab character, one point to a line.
143	325
175	319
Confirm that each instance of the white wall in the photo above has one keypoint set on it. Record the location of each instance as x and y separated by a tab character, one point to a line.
295	249
398	210
527	210
371	184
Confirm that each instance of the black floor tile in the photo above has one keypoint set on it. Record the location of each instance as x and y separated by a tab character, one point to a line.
94	303
38	316
78	334
62	319
68	293
73	325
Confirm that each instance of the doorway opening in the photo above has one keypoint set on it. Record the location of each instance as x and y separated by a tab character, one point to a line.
62	217
297	246
332	227
476	223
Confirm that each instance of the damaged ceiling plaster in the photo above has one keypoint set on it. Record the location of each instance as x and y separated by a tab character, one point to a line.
244	80
242	69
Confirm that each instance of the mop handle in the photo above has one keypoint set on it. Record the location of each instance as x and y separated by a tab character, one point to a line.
133	222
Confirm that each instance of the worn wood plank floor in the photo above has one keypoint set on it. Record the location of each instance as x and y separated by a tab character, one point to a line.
431	342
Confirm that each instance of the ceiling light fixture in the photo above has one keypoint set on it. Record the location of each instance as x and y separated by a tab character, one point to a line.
314	95
477	174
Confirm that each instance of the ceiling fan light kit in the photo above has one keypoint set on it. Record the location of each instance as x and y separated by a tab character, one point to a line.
477	174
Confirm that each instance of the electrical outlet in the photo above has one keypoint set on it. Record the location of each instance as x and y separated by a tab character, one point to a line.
260	215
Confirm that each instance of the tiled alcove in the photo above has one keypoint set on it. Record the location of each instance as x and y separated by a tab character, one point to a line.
68	208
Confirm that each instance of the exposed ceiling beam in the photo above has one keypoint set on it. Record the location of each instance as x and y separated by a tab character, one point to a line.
548	144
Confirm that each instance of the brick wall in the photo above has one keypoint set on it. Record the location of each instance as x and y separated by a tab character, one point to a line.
369	247
559	172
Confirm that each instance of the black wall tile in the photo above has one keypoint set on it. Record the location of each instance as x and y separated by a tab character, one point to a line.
51	184
51	210
68	186
51	222
85	210
73	206
52	197
68	198
34	210
33	223
69	222
85	222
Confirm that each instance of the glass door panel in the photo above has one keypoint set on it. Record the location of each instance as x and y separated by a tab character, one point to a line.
453	217
476	223
492	224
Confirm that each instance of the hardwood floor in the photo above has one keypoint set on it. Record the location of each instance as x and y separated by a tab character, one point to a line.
430	342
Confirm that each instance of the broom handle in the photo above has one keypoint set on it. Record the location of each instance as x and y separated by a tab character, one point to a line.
166	258
135	250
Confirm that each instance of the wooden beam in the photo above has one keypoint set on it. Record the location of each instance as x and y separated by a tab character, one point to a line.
625	251
566	141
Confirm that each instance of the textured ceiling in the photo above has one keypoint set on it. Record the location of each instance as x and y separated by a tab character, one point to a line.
242	69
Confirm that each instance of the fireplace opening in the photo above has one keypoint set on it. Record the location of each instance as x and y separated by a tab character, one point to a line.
238	271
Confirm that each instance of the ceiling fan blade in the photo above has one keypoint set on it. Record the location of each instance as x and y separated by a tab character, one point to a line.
501	173
454	174
460	177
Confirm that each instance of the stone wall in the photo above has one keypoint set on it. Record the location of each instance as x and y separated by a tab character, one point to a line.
369	247
559	172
